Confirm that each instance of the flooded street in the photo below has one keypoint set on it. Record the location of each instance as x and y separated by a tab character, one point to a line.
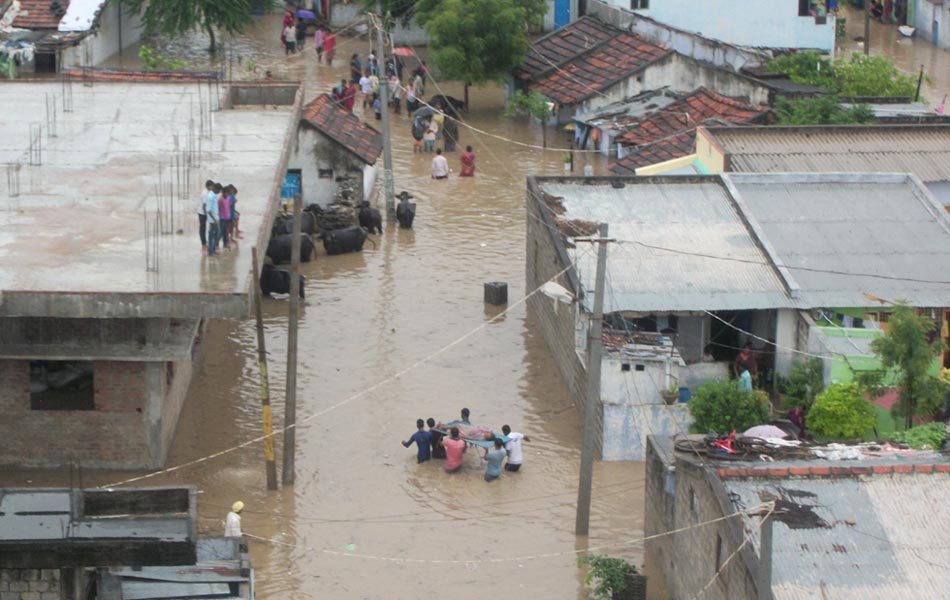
364	521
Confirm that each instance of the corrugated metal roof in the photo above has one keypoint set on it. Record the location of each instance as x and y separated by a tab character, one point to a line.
883	229
896	546
878	234
922	150
689	217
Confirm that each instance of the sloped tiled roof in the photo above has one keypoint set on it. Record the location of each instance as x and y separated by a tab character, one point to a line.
675	146
37	14
702	104
593	71
344	127
564	44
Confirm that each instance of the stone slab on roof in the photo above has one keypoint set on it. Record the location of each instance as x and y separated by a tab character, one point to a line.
344	128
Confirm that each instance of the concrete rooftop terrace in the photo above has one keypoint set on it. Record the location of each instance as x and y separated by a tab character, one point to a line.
73	241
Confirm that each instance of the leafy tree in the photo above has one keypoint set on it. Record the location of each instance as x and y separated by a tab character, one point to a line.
477	40
177	17
822	110
608	576
905	349
859	76
841	412
530	104
804	382
721	406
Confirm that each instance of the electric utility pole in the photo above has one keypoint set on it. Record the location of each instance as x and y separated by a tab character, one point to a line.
592	402
867	27
290	408
384	101
271	465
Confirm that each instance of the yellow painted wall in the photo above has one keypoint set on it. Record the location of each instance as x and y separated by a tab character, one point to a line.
708	154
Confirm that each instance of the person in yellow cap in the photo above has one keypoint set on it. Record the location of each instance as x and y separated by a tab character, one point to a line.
232	525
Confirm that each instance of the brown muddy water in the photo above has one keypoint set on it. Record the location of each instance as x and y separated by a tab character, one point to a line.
364	521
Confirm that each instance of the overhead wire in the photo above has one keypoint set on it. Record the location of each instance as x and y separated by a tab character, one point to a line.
346	400
524	557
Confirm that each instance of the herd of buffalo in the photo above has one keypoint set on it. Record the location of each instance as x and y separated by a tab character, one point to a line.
340	226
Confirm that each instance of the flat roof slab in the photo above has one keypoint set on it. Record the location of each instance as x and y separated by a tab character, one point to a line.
73	240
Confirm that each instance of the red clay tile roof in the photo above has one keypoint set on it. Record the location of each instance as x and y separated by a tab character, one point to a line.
675	146
688	111
590	72
344	127
37	14
564	44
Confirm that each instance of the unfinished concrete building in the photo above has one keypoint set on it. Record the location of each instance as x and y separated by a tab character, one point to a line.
104	288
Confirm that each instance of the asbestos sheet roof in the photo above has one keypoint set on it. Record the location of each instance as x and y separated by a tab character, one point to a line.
344	127
874	538
921	150
682	216
564	44
883	236
700	105
597	69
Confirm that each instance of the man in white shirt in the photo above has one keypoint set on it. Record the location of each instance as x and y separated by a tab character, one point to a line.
513	448
232	525
366	86
440	166
203	215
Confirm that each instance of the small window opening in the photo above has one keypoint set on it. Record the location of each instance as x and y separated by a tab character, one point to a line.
62	385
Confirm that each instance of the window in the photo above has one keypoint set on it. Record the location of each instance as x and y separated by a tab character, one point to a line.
324	173
61	385
639	4
804	8
720	550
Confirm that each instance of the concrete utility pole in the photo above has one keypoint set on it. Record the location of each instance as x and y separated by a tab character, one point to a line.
596	346
384	100
867	27
290	410
271	464
765	559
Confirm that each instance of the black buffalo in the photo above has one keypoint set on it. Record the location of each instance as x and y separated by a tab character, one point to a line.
277	281
370	219
284	224
279	247
405	211
341	241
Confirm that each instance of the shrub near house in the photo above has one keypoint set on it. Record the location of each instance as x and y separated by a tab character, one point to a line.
841	412
722	407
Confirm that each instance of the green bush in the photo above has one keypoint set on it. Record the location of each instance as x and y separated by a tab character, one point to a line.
611	575
804	382
931	435
721	406
841	412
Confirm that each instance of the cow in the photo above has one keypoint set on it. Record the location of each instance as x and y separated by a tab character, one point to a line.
340	241
405	211
370	219
277	281
279	247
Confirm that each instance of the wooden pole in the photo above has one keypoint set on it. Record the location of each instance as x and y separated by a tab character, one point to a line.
592	402
271	465
290	411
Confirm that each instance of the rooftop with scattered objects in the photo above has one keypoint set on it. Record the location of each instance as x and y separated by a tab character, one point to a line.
101	199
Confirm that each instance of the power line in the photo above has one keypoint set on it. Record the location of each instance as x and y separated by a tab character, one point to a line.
350	398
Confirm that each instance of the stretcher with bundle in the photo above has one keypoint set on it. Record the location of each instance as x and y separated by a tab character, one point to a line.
482	437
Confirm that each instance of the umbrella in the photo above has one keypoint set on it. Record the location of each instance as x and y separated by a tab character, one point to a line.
305	14
425	111
403	51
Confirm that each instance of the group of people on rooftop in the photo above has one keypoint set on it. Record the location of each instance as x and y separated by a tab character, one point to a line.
433	443
218	217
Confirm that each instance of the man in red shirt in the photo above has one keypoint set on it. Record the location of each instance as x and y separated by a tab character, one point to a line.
454	452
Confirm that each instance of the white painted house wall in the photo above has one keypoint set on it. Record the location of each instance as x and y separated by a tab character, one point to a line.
114	23
314	151
929	13
771	24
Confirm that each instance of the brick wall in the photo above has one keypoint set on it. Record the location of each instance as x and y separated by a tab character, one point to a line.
30	584
556	322
111	436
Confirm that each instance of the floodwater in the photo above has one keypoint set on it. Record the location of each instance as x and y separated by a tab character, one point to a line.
364	521
907	54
